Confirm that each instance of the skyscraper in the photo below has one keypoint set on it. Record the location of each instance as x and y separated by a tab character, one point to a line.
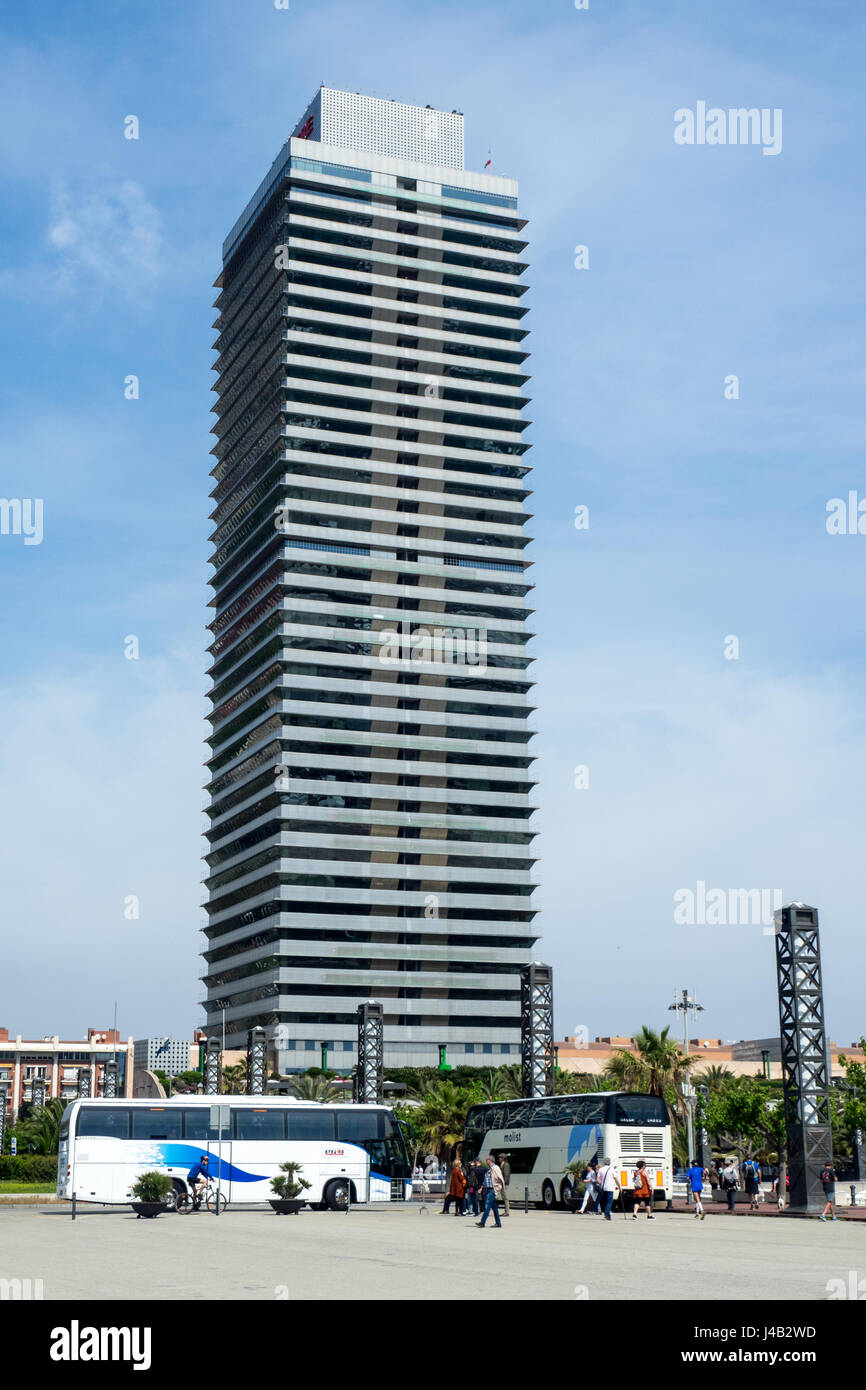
370	768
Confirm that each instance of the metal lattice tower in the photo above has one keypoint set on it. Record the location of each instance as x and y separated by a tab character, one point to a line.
212	1067
109	1080
37	1092
805	1069
370	1053
83	1082
256	1067
536	1030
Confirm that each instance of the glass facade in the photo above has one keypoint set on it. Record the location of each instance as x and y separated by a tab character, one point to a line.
370	764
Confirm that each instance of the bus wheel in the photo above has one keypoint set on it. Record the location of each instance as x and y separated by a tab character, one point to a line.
336	1195
548	1196
566	1193
171	1198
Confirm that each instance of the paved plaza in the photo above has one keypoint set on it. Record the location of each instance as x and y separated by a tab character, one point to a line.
402	1253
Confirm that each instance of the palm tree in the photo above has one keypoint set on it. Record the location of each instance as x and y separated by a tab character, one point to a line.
235	1079
316	1088
713	1077
576	1082
41	1130
441	1117
498	1083
591	1081
657	1067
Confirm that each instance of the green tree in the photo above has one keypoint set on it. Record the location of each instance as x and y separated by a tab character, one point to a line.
235	1079
854	1101
441	1117
191	1078
40	1132
748	1115
657	1067
713	1077
316	1088
497	1083
568	1083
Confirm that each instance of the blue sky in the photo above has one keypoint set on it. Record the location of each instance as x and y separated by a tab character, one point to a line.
707	516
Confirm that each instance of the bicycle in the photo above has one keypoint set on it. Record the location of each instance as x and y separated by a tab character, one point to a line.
188	1202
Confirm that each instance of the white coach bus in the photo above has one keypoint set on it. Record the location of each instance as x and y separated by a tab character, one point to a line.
542	1136
348	1152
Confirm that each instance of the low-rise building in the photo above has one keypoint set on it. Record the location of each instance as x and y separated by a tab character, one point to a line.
57	1063
744	1058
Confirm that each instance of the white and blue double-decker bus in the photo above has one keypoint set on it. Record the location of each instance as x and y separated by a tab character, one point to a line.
348	1153
542	1136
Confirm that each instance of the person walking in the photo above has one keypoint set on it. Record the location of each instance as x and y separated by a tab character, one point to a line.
752	1175
828	1182
643	1193
608	1184
475	1180
505	1170
696	1177
590	1191
456	1190
730	1181
493	1188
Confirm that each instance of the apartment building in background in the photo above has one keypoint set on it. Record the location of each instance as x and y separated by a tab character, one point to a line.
57	1063
370	769
170	1055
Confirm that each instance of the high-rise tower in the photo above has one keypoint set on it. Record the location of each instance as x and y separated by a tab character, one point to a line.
370	762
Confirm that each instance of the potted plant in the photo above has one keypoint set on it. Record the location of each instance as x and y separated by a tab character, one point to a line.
150	1191
288	1188
575	1185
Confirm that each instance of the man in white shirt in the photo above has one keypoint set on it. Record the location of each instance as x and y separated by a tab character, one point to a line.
608	1184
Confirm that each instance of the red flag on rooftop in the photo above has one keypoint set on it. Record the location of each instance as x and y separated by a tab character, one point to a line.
489	160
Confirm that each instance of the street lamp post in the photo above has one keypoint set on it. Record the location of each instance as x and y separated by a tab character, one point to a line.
683	1003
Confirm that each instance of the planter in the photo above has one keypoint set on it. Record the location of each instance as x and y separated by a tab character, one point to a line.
287	1206
148	1209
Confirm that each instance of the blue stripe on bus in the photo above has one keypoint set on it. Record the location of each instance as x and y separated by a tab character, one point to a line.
185	1155
581	1138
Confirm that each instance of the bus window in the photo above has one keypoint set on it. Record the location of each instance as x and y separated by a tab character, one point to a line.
518	1113
589	1110
258	1124
102	1121
638	1110
156	1123
196	1125
549	1112
522	1160
359	1126
494	1115
315	1124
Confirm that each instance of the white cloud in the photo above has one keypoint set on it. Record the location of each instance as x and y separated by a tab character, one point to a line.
111	235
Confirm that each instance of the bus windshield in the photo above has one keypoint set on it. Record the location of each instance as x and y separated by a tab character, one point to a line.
638	1110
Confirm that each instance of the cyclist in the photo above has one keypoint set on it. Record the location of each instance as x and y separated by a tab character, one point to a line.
197	1176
